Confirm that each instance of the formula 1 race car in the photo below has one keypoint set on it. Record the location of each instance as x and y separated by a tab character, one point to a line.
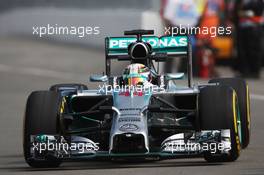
141	114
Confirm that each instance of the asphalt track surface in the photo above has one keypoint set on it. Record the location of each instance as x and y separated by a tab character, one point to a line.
27	65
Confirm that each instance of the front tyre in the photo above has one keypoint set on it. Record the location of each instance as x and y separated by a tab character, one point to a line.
242	91
41	117
218	110
61	87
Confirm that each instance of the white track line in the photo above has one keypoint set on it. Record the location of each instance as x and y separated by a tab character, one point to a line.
41	72
257	97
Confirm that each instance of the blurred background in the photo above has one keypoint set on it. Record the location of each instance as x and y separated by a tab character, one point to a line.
238	53
29	62
65	52
113	17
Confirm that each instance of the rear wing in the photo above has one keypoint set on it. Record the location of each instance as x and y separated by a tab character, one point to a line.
165	46
117	47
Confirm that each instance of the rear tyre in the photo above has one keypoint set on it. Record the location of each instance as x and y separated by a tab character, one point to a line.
241	88
41	117
59	87
218	110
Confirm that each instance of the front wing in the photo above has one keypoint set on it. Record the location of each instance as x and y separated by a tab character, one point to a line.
182	145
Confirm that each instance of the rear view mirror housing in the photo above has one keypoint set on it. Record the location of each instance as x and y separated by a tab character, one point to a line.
98	78
174	76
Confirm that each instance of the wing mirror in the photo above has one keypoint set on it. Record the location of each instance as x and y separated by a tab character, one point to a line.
174	76
98	78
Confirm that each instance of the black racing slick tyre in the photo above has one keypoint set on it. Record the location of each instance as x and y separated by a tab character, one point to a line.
58	87
218	110
242	90
41	117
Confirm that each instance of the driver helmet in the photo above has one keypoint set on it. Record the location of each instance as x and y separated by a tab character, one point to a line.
136	74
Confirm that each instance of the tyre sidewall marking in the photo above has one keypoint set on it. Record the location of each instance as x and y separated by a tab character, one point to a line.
62	107
248	109
235	123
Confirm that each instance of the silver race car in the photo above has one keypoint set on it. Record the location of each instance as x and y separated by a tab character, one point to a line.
140	114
